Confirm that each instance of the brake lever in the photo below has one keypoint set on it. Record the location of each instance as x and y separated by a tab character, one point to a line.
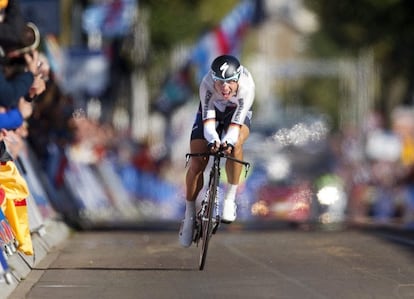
187	158
247	168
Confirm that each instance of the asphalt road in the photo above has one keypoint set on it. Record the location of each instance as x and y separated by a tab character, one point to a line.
280	263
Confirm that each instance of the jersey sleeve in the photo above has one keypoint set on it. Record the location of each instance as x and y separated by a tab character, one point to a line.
208	112
244	105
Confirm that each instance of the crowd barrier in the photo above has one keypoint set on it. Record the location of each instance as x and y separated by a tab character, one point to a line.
71	195
47	229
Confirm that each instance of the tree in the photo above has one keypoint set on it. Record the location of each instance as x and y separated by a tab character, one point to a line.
385	26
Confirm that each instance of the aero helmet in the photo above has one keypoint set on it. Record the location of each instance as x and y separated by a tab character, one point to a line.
226	68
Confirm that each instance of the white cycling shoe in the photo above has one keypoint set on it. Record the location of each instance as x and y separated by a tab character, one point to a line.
229	211
186	231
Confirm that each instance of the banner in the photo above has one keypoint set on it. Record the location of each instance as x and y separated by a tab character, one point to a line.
15	208
111	19
12	182
18	217
81	65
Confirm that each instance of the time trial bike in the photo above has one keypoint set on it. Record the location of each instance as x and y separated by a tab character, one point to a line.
208	217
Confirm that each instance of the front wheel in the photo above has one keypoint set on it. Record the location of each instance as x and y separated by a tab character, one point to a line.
207	221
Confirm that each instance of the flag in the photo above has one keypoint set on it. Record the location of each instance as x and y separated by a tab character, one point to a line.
111	19
226	38
176	91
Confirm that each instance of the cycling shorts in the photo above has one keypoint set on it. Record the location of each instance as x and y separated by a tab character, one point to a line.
223	118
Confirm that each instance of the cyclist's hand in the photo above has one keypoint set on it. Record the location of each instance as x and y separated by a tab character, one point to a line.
227	147
214	147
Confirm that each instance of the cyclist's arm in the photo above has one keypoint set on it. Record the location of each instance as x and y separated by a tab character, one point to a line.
245	102
208	112
210	133
232	134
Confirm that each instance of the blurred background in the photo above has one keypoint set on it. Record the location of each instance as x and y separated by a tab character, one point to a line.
332	139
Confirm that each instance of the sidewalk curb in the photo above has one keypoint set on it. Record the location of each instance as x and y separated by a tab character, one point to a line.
44	241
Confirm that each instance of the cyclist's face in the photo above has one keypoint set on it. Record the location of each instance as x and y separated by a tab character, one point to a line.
226	88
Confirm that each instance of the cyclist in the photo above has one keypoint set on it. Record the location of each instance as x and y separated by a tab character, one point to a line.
226	96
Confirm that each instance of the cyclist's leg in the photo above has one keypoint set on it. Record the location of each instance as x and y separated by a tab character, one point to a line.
194	176
194	181
234	169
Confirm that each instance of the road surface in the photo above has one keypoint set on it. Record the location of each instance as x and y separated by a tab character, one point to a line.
271	263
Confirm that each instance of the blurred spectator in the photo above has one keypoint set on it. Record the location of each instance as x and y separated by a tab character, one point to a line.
144	159
20	81
13	118
11	24
403	126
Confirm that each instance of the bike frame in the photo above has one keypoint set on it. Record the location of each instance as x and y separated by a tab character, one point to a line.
206	224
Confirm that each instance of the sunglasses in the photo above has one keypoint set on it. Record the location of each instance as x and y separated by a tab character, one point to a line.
232	79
